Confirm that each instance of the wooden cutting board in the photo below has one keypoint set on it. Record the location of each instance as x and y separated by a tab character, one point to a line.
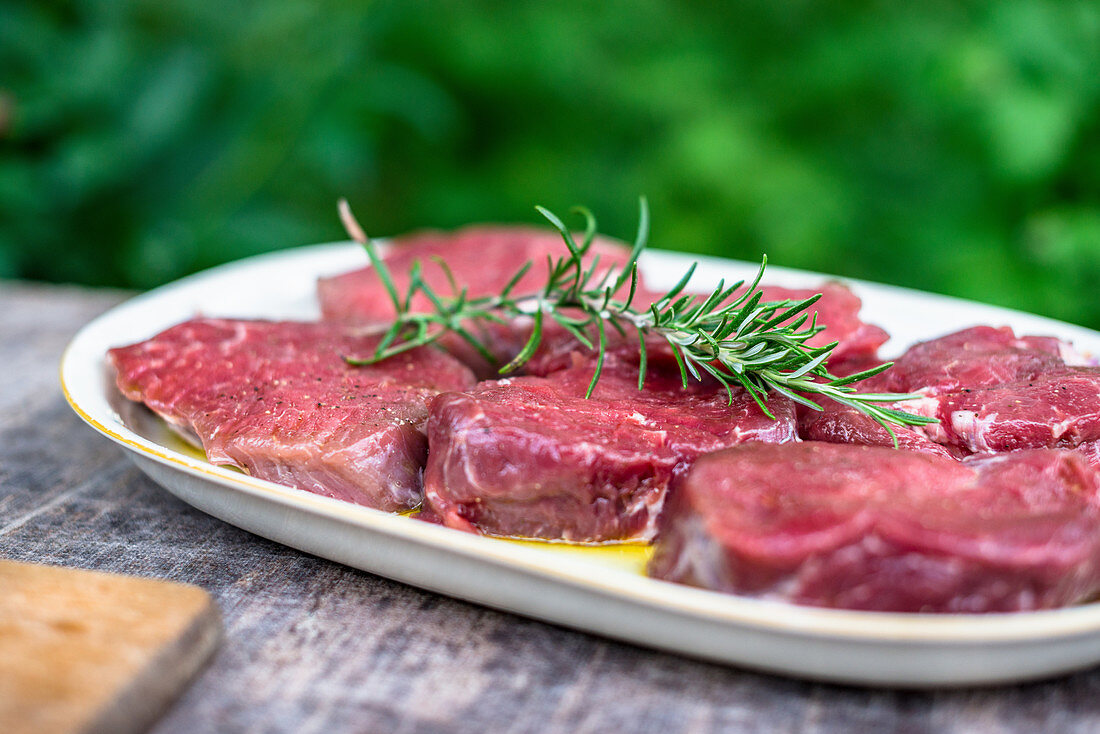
82	651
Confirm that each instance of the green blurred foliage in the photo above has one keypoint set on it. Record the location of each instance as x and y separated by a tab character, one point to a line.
948	146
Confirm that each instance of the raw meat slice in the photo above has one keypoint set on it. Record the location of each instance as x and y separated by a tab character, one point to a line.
531	457
977	357
838	311
279	400
1059	409
836	423
482	259
990	390
559	350
863	527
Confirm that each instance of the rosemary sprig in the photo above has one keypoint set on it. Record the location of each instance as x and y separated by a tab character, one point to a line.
738	341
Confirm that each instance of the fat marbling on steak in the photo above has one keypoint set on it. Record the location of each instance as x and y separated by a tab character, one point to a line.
871	528
531	457
279	400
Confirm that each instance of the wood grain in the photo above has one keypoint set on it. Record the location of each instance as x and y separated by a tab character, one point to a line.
312	646
84	652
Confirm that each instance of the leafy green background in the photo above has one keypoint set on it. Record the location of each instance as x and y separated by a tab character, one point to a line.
950	146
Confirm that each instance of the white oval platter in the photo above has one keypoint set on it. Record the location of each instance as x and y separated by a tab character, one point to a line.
601	592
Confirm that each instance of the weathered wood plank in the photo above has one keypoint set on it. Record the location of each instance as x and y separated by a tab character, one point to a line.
85	652
312	646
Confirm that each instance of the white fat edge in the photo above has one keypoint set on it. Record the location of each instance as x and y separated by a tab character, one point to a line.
457	445
928	407
639	419
972	429
701	557
650	504
1059	429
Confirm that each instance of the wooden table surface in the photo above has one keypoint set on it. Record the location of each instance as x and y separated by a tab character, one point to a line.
312	646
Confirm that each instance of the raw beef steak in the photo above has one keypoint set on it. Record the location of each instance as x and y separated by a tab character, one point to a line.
838	311
836	423
977	357
1059	409
482	259
278	399
990	391
871	528
531	457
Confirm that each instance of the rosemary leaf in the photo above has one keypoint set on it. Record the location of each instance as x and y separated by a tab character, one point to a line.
528	348
599	359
